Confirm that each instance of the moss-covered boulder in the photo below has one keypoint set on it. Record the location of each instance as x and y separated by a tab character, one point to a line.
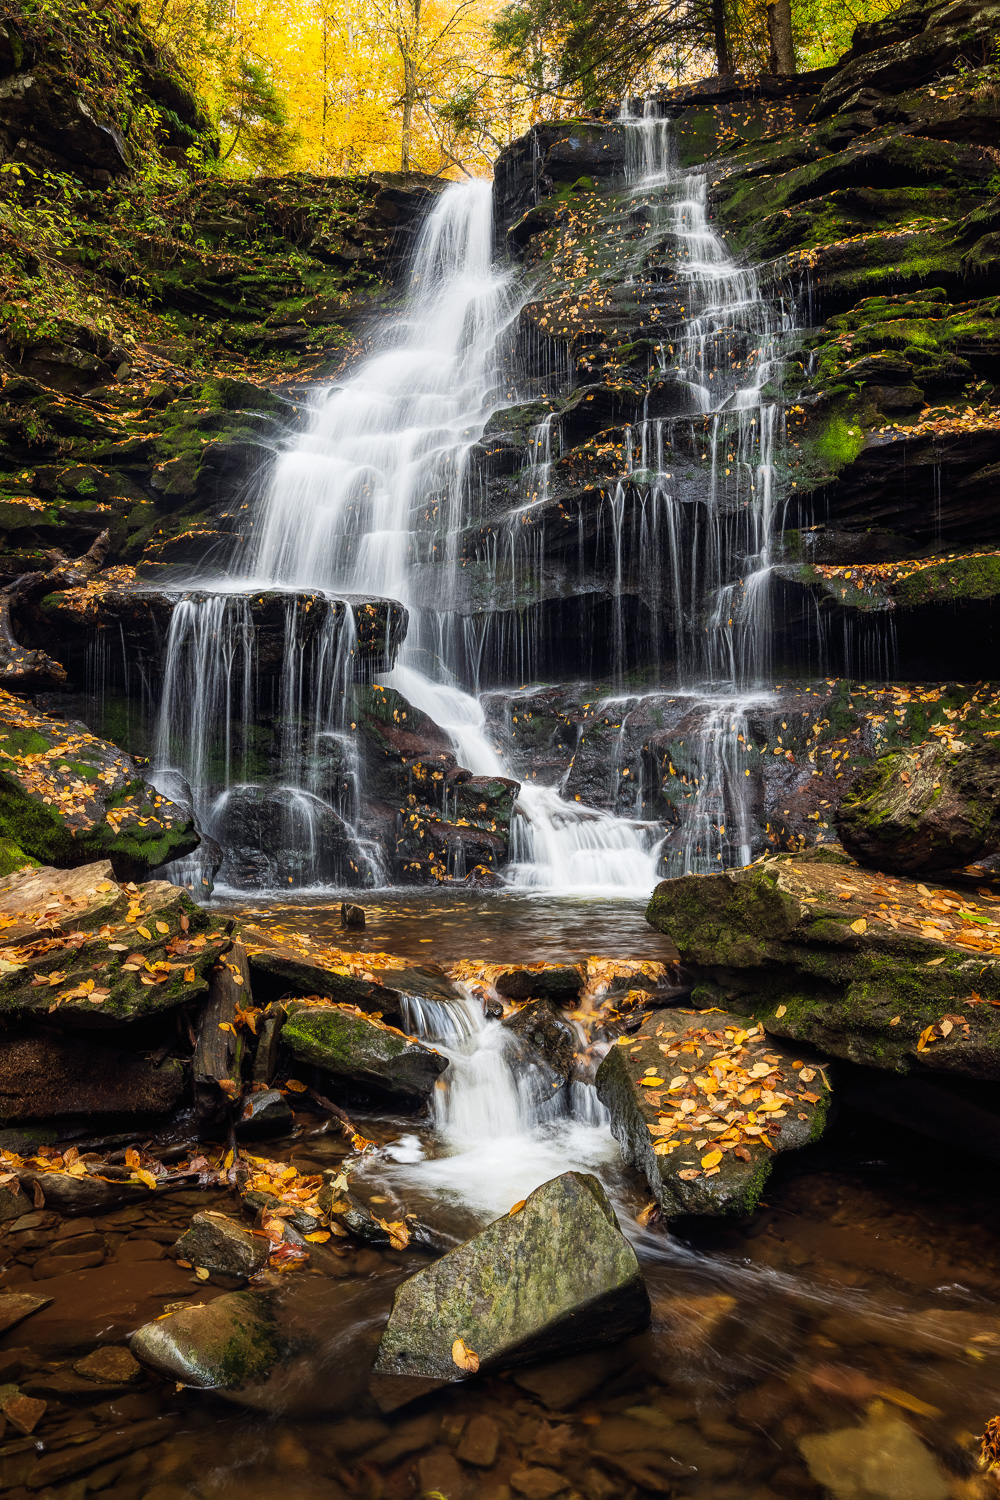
702	1106
930	808
873	968
553	1276
82	950
356	1049
67	797
224	1345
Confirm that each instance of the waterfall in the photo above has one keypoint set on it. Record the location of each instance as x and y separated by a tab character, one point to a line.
375	498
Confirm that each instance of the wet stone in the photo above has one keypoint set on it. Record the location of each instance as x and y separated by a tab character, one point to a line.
23	1412
14	1204
265	1114
217	1243
353	1048
479	1442
15	1306
223	1344
538	1484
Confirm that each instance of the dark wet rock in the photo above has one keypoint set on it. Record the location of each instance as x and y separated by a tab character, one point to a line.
708	1150
264	1114
561	984
80	1195
13	1203
16	1306
149	939
216	1242
217	1064
64	1463
49	1076
518	1291
68	797
265	1058
260	1205
229	1342
872	968
924	809
356	1049
548	1035
351	915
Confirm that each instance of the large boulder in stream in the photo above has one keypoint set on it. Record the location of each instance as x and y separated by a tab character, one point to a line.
80	949
928	808
355	1048
67	797
230	1342
553	1276
702	1105
872	968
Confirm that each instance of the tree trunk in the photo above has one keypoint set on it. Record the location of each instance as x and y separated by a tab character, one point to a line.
723	63
779	26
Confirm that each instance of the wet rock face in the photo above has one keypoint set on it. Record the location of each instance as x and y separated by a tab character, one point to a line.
67	797
516	1292
926	809
561	984
703	1107
355	1049
545	1034
48	1077
867	967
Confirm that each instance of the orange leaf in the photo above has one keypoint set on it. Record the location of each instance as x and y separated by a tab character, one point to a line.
466	1359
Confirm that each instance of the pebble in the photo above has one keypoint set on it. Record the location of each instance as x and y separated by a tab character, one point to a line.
538	1484
24	1412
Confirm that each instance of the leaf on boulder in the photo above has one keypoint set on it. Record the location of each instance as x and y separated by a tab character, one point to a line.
467	1359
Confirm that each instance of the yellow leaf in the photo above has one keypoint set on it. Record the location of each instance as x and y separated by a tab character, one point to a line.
935	961
466	1359
895	1020
162	927
145	932
189	976
202	1273
712	1159
295	1086
859	926
928	1035
651	1083
145	1177
517	1207
320	1237
780	1012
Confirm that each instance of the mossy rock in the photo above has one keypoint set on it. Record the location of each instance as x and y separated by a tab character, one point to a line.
356	1049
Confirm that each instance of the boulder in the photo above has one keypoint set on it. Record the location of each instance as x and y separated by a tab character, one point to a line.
702	1105
153	948
225	1344
356	1049
67	797
50	1076
518	1291
872	968
13	1202
560	983
218	1243
924	809
264	1114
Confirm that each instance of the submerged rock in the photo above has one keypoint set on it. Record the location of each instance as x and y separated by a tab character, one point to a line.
543	1031
924	809
520	1290
701	1105
67	797
218	1243
355	1048
872	968
883	1459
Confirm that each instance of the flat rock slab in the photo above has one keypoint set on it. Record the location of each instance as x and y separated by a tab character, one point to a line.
355	1048
81	948
376	983
16	1306
553	1276
875	968
702	1104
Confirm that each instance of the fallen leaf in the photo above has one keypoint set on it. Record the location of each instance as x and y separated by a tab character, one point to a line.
517	1207
935	961
859	926
651	1083
780	1011
711	1160
295	1086
467	1359
162	927
145	933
